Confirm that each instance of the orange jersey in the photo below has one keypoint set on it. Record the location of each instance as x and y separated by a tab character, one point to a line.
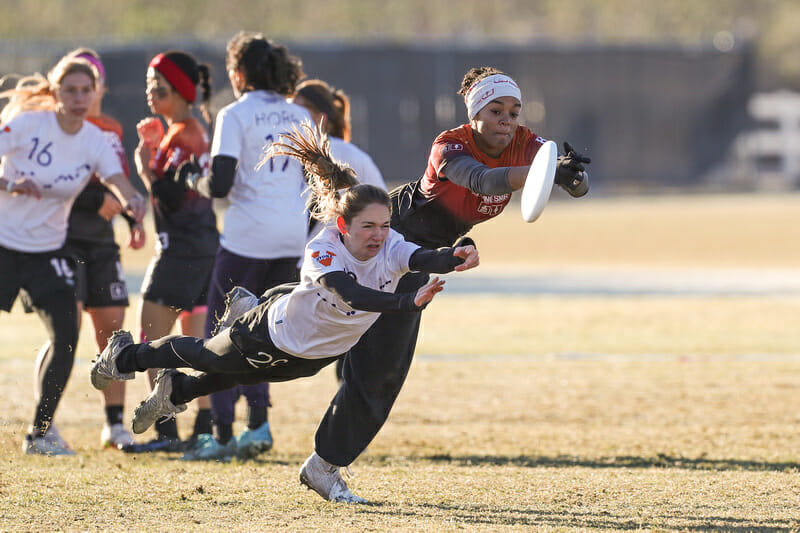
433	211
113	131
462	203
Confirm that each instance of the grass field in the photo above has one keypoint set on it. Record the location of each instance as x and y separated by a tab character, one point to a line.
526	412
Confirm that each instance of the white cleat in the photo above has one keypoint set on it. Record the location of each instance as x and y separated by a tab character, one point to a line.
104	369
238	301
51	443
116	436
324	478
158	403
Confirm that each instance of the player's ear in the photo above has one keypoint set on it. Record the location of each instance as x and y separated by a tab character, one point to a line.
341	224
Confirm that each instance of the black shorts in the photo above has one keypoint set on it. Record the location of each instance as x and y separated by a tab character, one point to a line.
99	279
178	282
39	274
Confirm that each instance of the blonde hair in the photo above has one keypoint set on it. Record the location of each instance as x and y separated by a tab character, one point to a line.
326	177
37	93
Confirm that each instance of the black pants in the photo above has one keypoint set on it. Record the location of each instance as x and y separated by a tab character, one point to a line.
243	354
373	373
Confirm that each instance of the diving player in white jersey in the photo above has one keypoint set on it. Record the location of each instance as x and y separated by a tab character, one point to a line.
349	277
49	152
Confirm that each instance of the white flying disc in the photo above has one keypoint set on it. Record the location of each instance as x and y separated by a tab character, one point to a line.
539	183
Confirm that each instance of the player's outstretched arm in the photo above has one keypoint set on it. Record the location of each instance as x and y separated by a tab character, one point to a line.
426	293
444	260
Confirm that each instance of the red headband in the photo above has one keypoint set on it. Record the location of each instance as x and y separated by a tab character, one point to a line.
175	76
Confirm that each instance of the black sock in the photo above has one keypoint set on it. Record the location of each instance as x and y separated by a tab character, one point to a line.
223	433
256	416
114	414
167	428
202	424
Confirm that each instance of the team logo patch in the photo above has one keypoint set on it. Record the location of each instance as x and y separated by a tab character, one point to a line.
118	290
324	259
452	147
5	129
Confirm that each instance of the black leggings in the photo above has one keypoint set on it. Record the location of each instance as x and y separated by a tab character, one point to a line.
59	314
222	363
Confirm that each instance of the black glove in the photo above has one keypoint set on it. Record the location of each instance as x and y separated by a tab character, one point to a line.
570	173
188	172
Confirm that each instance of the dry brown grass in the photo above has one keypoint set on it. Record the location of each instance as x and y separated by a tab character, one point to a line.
542	412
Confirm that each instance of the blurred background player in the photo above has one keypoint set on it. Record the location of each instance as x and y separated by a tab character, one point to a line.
49	153
265	227
331	108
100	284
176	283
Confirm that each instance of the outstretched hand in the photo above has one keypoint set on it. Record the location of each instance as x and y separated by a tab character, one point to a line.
470	256
426	293
571	173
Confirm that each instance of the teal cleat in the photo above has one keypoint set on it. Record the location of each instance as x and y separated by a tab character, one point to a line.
252	442
207	448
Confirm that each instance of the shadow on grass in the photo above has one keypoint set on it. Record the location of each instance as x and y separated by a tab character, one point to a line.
623	461
488	515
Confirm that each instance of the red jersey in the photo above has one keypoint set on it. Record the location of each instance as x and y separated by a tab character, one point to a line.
189	229
433	211
181	140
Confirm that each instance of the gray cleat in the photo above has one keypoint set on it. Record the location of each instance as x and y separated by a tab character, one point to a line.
324	478
238	301
104	369
158	403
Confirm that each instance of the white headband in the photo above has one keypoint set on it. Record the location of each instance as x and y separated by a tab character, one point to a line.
488	89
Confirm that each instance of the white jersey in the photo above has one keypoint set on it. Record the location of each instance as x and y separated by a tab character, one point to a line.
266	218
313	323
34	146
366	169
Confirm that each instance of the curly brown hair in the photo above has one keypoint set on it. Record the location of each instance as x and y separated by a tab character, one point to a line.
474	75
266	66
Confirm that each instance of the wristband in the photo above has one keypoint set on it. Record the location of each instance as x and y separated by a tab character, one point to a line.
9	185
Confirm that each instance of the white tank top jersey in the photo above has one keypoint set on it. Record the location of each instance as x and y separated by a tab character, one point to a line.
311	322
366	169
34	146
266	218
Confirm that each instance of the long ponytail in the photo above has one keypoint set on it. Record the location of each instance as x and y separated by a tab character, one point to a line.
325	176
